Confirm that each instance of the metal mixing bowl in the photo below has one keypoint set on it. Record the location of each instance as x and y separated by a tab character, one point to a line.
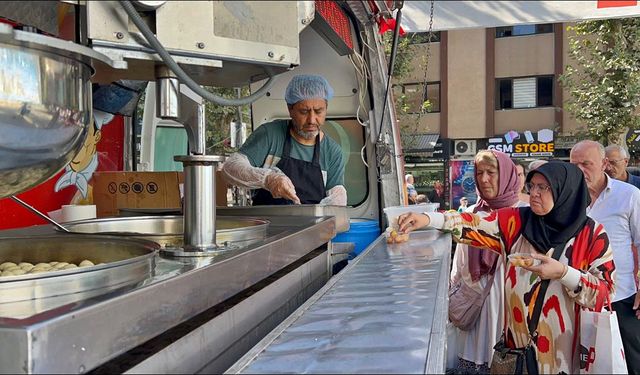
45	106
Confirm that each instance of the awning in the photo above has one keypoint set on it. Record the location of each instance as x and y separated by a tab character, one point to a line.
450	15
420	143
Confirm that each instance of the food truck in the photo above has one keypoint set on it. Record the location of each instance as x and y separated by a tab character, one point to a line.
193	284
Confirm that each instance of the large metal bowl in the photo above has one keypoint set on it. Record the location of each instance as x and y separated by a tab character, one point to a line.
45	106
168	230
126	261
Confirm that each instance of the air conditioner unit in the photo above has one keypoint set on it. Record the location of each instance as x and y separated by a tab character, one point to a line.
464	147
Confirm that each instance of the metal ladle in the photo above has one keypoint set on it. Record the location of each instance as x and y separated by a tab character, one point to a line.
37	212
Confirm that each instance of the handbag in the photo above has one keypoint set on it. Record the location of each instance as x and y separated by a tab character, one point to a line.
601	350
465	303
513	361
522	360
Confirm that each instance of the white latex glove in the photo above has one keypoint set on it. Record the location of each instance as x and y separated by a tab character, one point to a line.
336	196
281	186
239	171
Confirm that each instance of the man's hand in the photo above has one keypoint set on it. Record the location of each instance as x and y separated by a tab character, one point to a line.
411	221
636	304
281	186
549	268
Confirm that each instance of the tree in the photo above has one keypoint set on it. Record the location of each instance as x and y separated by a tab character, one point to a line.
604	86
219	118
405	53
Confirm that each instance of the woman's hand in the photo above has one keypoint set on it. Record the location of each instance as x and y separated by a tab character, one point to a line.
549	268
411	221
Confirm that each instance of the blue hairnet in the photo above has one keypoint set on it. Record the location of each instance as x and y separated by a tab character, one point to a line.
306	86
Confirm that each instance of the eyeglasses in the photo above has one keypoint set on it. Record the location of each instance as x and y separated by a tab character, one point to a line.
542	188
616	162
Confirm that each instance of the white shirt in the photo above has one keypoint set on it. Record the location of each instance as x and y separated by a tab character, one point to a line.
618	209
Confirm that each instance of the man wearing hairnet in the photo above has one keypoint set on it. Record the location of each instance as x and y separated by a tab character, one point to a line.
293	161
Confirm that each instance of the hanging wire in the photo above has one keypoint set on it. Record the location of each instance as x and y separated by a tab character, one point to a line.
426	64
392	59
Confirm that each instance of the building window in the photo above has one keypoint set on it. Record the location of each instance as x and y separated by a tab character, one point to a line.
419	38
411	96
526	92
503	32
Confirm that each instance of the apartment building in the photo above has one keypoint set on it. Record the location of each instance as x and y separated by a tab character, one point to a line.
488	88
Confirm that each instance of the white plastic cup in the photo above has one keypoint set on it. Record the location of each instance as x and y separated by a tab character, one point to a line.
74	212
56	215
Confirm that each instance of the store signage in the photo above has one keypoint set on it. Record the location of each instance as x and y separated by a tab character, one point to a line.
525	144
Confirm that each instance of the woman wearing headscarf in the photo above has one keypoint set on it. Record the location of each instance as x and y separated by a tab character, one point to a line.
498	186
583	275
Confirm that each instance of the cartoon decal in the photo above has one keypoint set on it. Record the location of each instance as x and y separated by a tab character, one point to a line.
79	171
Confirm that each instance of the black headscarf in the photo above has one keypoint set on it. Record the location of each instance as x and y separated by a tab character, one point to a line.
568	216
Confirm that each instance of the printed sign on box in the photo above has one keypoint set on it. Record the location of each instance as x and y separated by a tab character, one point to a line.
115	190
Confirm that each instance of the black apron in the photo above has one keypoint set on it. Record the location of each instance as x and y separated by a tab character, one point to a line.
306	177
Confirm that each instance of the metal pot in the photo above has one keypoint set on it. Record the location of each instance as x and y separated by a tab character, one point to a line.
45	106
168	230
126	261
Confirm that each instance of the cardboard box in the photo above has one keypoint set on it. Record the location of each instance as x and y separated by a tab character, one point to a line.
115	190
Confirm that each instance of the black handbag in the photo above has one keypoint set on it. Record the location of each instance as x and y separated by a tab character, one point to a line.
513	361
523	360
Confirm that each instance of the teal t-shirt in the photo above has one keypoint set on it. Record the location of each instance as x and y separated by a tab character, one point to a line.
264	149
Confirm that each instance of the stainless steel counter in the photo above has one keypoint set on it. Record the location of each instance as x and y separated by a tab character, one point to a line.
384	313
339	212
77	332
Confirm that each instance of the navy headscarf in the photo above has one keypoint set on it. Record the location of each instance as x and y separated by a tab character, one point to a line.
569	214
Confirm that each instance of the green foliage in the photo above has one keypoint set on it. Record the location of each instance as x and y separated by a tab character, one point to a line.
219	118
604	86
408	111
402	64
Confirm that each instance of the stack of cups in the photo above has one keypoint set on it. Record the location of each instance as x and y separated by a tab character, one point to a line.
74	212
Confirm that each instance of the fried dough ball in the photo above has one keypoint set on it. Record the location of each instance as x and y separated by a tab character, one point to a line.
520	261
13	269
6	265
86	263
394	237
27	267
60	265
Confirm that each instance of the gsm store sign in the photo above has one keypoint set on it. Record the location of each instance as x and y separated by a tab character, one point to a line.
524	144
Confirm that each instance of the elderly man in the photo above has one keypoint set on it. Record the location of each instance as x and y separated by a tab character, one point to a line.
616	205
292	161
617	166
